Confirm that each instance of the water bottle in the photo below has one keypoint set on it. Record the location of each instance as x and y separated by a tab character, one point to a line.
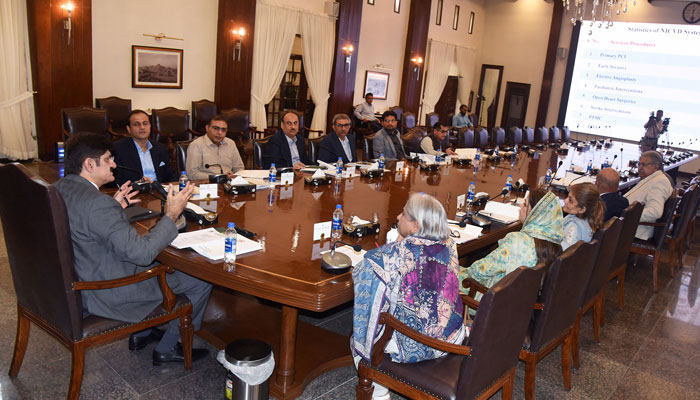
438	158
515	149
606	163
548	177
509	183
381	161
590	167
470	196
477	156
337	226
339	168
495	151
183	180
273	173
230	241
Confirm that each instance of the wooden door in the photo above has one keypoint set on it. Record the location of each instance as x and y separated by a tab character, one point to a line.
515	105
448	100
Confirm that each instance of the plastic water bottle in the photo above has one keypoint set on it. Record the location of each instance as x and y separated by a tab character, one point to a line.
548	177
515	149
477	156
590	167
183	180
230	241
339	168
438	158
495	151
337	226
606	163
273	173
381	161
509	183
470	196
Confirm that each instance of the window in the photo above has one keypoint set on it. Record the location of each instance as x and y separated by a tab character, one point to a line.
293	93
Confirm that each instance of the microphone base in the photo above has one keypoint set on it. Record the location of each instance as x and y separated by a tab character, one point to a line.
336	263
218	178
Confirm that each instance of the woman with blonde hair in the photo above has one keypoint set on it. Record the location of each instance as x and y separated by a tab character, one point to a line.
586	212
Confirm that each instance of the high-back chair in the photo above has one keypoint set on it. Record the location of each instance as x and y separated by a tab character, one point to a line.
431	119
555	312
653	246
258	145
412	139
687	207
181	155
592	297
367	148
118	110
515	135
313	145
86	119
408	120
565	134
172	125
482	138
528	135
476	370
630	221
498	136
38	240
238	124
202	112
554	134
465	137
399	113
542	135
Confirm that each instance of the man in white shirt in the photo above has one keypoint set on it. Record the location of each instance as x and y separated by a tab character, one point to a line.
365	113
213	149
652	191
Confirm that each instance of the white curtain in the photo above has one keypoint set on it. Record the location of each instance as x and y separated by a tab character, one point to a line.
466	62
275	28
318	42
16	105
440	58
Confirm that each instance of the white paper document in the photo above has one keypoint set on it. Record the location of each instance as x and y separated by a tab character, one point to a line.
355	256
466	153
502	212
254	173
571	177
469	232
210	243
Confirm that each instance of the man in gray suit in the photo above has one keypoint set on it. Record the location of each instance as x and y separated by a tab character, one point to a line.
388	141
106	246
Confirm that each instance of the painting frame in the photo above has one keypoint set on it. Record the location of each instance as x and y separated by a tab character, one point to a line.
377	83
167	76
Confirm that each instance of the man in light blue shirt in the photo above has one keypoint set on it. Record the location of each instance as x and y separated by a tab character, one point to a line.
461	119
365	114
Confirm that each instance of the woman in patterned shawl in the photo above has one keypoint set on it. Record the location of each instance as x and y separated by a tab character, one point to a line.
537	242
415	280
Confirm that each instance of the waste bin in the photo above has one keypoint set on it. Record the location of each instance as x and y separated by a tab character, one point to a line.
250	363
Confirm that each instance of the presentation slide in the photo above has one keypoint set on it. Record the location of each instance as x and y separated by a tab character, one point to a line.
623	73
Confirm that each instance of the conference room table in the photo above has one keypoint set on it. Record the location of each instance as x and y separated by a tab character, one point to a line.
263	296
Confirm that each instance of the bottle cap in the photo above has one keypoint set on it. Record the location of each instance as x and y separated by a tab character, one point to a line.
231	225
338	206
340	158
272	165
510	175
183	173
472	183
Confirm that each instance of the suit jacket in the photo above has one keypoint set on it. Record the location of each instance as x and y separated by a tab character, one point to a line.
614	203
277	151
382	144
652	192
105	246
331	148
126	154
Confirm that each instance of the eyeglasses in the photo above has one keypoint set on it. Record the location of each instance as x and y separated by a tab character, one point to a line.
444	131
99	159
454	234
218	128
389	120
342	125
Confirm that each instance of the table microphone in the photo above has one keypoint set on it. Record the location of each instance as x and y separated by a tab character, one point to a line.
478	220
555	173
337	262
216	178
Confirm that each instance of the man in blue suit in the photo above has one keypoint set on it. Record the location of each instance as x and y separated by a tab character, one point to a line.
338	144
138	153
286	148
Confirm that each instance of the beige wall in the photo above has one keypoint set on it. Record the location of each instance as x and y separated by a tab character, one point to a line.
117	25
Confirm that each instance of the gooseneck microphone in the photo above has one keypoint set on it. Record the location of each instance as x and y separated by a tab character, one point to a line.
336	262
216	178
207	166
555	173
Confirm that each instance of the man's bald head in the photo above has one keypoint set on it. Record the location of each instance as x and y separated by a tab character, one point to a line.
607	180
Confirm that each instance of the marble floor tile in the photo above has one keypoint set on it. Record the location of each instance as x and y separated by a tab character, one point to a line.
643	386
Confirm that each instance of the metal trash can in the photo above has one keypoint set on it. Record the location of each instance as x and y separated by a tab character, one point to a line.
248	355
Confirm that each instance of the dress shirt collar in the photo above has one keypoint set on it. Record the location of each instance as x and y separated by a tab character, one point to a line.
290	141
149	146
209	142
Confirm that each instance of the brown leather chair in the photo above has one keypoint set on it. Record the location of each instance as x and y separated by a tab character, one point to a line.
202	111
653	246
118	110
37	236
367	149
412	139
408	121
171	125
465	137
302	127
181	155
399	112
238	124
313	146
258	145
86	119
482	367
593	298
630	221
431	119
555	313
687	207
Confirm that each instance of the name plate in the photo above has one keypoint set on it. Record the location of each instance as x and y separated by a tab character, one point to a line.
322	230
210	190
399	165
287	178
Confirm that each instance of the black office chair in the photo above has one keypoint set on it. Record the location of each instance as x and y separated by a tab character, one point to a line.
258	145
181	154
367	150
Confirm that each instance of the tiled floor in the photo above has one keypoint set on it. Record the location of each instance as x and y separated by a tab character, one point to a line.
651	350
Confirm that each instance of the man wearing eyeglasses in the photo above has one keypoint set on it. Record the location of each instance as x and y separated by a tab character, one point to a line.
213	148
434	144
339	143
387	141
652	191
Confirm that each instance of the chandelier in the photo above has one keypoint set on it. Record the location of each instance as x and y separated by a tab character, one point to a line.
601	11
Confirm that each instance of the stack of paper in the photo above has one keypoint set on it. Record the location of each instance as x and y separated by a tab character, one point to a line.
502	212
210	243
469	232
571	177
466	153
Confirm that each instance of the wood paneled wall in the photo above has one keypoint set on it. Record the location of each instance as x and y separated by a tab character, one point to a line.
234	77
550	60
343	81
416	44
61	70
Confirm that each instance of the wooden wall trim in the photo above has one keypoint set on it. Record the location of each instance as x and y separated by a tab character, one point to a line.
416	44
233	77
549	62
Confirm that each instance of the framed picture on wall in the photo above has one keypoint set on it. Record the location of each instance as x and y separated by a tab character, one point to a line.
471	101
156	67
376	83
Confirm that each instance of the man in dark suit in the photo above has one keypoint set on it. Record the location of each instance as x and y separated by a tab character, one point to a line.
106	247
608	182
338	144
150	159
286	148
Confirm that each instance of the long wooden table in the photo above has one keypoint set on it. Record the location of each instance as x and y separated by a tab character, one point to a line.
262	297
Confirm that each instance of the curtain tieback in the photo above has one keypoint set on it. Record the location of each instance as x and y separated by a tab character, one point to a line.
16	99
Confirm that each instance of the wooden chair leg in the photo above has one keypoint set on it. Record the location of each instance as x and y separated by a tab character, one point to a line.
566	362
574	341
671	256
186	335
76	373
21	340
621	289
655	272
602	308
364	387
530	369
507	392
596	319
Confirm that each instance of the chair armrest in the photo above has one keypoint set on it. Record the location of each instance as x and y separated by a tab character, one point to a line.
469	301
195	133
164	134
474	286
113	133
653	223
157	271
391	324
66	134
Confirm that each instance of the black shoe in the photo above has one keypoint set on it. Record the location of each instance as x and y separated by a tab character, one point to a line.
177	355
139	342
